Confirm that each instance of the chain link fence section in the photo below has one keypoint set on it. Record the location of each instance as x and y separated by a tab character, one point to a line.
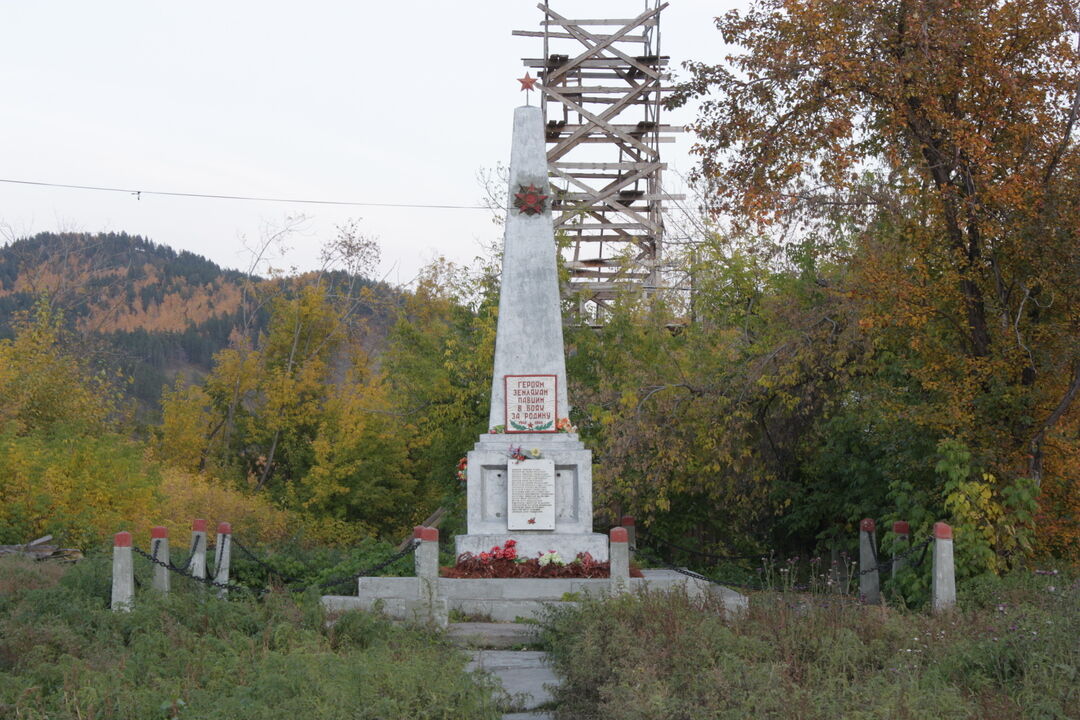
879	566
654	557
887	566
366	572
334	582
186	573
269	568
710	556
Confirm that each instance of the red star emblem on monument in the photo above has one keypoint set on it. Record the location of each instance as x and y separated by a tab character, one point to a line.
530	200
527	82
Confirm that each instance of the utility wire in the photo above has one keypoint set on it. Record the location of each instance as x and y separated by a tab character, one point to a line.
139	193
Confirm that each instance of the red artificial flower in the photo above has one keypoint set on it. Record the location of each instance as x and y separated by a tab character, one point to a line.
511	543
532	521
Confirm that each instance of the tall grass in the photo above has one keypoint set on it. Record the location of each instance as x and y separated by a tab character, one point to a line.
1012	650
63	654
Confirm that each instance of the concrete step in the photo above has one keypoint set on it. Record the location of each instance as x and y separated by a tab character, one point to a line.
498	636
522	673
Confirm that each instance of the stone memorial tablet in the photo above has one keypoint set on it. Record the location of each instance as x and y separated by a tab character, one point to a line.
531	403
531	495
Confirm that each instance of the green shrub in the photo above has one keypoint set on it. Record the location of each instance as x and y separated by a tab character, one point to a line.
1010	651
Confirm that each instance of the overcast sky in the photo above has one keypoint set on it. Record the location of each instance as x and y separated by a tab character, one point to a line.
394	102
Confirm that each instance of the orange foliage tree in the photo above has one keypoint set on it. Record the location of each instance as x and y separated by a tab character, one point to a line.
932	146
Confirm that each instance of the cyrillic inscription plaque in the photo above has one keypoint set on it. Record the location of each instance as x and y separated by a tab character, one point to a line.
530	403
530	495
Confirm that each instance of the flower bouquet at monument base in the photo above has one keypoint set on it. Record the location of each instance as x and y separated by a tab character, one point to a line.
504	562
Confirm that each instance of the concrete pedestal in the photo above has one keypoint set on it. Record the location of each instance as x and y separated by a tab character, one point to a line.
488	464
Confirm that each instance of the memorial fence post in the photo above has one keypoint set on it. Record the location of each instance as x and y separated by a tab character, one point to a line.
123	573
159	550
222	554
426	564
197	561
943	588
619	556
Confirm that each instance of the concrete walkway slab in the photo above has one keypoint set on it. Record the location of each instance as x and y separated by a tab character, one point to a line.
498	636
522	673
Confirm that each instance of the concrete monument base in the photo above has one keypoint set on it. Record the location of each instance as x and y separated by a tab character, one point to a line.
503	600
531	544
489	465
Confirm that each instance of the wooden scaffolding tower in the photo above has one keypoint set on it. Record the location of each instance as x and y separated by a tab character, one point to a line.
602	87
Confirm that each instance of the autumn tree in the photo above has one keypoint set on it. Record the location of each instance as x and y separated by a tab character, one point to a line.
438	366
929	145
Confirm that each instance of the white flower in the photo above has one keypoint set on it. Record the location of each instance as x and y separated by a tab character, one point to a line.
551	557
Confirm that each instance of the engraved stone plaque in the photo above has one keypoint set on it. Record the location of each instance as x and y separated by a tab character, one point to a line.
531	403
530	495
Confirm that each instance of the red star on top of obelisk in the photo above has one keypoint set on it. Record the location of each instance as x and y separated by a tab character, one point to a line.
527	82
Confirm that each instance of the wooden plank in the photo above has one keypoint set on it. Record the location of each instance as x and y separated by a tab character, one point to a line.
587	196
602	89
673	129
609	166
599	21
608	274
568	36
594	263
613	101
603	226
592	63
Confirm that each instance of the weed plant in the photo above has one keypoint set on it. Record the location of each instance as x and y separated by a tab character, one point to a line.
64	654
1011	650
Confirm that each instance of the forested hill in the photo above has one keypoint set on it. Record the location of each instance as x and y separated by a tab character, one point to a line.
139	307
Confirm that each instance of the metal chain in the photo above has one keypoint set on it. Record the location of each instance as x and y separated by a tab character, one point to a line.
878	566
699	553
926	548
187	574
690	573
885	566
194	548
407	550
269	568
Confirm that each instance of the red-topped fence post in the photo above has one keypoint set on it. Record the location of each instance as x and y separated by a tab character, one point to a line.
123	573
222	555
619	557
943	587
426	564
159	550
197	563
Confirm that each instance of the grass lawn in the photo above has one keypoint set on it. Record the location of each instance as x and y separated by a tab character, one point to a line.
1011	650
64	654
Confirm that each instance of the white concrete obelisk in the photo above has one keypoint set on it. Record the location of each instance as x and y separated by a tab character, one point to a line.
543	502
529	335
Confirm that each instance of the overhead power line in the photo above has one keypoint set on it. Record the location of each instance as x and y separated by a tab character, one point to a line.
252	198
